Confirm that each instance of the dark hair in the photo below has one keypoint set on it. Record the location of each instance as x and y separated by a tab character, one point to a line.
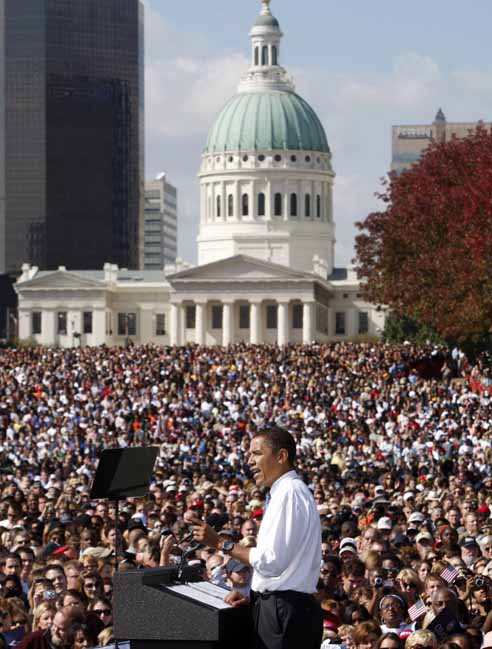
76	594
278	438
391	636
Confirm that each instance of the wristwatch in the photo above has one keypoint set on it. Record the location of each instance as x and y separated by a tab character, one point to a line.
227	546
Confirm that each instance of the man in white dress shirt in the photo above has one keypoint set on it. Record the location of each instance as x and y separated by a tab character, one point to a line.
286	561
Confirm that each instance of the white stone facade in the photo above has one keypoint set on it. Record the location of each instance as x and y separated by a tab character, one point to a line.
240	299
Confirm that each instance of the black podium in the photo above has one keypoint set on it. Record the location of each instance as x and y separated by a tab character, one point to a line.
153	610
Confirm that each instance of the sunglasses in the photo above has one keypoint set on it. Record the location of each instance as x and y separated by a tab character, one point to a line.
102	611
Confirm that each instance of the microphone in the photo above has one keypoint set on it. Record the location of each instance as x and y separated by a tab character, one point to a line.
182	564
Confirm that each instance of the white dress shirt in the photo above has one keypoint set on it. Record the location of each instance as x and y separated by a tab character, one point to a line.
288	551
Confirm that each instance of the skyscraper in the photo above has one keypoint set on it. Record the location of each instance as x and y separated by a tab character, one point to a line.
409	141
161	223
71	133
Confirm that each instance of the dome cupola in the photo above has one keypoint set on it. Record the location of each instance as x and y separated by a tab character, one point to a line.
266	177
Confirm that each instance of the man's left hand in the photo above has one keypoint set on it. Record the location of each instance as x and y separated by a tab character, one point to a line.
205	534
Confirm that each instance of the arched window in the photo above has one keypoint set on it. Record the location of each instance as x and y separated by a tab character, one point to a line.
307	203
293	204
264	55
278	205
218	207
245	203
274	55
257	56
261	204
318	206
230	205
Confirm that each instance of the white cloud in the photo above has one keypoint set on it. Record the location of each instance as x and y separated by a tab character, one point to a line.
184	93
412	79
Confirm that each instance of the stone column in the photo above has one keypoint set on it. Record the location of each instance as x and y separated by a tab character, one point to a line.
286	202
255	323
223	201
174	336
307	322
200	308
48	327
313	201
268	202
25	324
227	323
99	327
283	323
238	207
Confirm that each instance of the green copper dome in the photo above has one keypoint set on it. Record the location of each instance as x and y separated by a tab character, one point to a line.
266	21
267	120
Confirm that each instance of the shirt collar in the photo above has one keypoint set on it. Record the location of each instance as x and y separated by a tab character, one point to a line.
290	475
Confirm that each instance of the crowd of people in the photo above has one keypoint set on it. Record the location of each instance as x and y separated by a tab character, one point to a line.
395	443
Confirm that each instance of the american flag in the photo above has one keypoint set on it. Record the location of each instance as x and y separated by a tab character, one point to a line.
417	610
449	574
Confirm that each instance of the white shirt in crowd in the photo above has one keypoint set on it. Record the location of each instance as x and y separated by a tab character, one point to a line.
288	551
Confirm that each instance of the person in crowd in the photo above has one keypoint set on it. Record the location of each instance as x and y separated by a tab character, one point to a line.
43	616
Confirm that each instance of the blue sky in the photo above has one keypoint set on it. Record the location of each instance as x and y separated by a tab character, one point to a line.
363	67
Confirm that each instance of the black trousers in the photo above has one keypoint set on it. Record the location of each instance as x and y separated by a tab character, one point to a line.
286	620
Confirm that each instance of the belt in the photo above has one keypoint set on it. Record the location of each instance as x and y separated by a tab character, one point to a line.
255	595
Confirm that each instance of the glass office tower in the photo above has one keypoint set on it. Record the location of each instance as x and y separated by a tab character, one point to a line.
71	133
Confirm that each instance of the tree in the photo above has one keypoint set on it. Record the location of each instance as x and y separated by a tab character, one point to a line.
428	255
398	329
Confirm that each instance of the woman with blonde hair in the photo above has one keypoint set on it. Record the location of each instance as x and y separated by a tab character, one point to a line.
409	585
105	637
43	616
421	638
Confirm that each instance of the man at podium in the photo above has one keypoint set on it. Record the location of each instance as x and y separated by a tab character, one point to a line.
287	558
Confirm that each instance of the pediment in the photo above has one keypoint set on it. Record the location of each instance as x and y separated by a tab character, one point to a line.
238	268
61	280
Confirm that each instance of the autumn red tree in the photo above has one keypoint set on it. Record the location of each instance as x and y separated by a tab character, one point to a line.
428	255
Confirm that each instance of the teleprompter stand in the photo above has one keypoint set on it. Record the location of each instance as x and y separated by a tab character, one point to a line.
123	473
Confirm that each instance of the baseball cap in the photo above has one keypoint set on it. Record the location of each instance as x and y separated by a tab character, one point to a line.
385	523
408	495
348	541
468	541
423	535
432	495
416	517
233	565
97	553
400	540
136	524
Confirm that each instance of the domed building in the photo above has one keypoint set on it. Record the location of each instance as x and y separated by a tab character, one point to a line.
266	243
266	180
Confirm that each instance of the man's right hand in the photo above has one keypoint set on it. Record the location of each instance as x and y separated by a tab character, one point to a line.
235	598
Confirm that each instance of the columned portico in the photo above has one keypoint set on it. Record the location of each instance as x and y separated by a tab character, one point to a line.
283	323
281	303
